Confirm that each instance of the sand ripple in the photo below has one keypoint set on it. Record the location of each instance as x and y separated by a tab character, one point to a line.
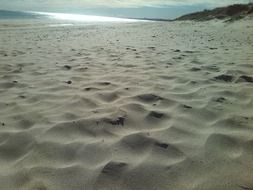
130	107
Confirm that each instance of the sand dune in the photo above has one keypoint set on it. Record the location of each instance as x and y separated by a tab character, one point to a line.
228	13
137	106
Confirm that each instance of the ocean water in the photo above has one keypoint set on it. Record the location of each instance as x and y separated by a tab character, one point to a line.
60	16
18	15
29	19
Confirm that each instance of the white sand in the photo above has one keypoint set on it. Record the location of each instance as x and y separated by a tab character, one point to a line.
137	106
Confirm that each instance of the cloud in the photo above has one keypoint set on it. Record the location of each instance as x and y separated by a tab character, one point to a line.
37	4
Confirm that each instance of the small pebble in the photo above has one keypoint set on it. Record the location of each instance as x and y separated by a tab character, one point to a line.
67	67
188	107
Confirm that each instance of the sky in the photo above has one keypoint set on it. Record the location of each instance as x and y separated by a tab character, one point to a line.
121	8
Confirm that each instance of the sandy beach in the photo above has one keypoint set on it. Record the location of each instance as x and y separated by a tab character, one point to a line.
130	106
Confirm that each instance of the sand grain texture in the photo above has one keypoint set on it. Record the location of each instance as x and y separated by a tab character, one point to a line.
137	106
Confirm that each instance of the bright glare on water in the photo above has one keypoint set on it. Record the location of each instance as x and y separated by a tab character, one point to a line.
84	18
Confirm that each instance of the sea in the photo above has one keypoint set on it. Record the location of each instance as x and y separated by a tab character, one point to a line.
29	15
31	19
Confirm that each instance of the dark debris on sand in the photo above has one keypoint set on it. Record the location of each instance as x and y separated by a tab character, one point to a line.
114	168
118	121
195	69
162	145
67	67
246	78
226	78
149	97
69	82
188	107
220	99
105	83
156	114
22	96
